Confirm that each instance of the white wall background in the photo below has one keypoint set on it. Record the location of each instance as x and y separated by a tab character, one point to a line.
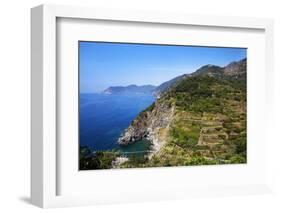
15	104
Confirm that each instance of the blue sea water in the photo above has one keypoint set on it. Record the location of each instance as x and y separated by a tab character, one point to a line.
103	118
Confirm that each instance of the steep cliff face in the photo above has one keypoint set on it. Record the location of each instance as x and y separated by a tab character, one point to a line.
152	124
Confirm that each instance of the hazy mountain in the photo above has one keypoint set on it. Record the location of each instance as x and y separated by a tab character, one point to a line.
131	89
166	85
235	69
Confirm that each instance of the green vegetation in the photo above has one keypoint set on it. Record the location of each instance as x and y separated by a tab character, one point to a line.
135	161
208	125
96	160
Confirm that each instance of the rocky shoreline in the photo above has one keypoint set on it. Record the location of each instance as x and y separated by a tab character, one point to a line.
151	124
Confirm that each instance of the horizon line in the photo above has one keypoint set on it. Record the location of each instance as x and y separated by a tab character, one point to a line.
138	85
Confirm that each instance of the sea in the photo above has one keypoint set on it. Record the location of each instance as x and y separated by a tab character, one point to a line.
103	118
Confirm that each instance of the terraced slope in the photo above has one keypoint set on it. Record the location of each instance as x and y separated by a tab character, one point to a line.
200	119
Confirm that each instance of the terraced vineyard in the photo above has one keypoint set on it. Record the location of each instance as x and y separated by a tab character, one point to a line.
207	124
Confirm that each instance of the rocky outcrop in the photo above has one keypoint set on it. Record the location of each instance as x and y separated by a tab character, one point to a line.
151	124
236	69
118	161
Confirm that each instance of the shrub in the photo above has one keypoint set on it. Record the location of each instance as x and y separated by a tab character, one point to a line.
96	160
237	159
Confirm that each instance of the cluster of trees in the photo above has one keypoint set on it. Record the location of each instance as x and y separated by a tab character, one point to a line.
89	160
206	93
136	161
184	138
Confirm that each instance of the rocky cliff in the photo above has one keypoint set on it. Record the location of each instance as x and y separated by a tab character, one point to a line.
152	124
237	68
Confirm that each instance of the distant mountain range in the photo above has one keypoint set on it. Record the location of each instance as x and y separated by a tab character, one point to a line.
235	69
131	89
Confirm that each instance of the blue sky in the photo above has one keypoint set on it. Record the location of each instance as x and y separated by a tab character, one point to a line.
115	64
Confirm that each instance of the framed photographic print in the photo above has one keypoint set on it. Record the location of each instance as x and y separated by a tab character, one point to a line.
148	105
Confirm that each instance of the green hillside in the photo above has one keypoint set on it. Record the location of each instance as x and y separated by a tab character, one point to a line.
209	122
199	119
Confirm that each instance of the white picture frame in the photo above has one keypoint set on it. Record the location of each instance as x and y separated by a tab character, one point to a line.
44	154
